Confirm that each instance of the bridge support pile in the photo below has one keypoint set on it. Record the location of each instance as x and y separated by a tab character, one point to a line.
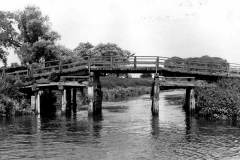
35	101
155	95
190	100
69	103
94	95
66	98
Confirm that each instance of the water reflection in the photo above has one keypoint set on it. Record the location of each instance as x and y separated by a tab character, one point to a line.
95	125
155	126
125	130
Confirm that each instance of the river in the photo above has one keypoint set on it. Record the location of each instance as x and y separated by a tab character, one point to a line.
126	130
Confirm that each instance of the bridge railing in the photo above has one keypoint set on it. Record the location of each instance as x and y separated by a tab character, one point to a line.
234	68
194	66
132	62
138	62
111	62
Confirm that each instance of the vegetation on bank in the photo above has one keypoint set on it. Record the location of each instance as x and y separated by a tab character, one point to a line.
120	93
220	100
113	82
115	88
210	64
12	101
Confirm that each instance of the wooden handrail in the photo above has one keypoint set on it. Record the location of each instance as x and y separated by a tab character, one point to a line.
108	62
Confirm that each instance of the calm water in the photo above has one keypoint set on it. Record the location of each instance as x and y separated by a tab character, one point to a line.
126	130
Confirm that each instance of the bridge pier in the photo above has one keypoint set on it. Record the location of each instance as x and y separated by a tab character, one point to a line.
68	101
35	101
190	100
155	95
74	100
94	95
66	105
64	101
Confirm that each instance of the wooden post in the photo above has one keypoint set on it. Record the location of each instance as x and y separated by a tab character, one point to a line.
64	101
74	100
94	95
111	65
157	64
3	72
60	66
190	100
89	64
135	62
33	102
155	95
37	100
68	101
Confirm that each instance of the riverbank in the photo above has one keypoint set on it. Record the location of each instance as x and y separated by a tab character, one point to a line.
221	100
120	93
115	88
12	101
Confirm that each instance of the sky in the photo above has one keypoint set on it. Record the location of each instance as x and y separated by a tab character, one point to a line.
184	28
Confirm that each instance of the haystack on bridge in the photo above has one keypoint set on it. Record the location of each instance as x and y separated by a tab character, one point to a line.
74	75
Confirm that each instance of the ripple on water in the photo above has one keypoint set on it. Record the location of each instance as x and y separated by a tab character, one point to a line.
126	130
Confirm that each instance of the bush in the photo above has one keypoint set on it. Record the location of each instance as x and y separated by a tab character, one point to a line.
221	101
10	96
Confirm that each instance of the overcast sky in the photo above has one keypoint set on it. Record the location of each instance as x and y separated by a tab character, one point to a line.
184	28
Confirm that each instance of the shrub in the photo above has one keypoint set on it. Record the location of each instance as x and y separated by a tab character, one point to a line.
221	101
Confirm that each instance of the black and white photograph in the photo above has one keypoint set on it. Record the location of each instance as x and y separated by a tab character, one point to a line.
119	80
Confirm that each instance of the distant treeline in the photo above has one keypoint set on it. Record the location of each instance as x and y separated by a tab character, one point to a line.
200	64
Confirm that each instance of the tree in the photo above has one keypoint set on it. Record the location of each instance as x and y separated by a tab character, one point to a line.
110	49
8	35
28	32
83	49
36	37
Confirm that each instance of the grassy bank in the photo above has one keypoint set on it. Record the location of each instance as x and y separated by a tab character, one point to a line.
113	82
220	100
121	88
120	93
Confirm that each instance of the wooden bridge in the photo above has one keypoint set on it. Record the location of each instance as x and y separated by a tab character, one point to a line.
85	72
133	64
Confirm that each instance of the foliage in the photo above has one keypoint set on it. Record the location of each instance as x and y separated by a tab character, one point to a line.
112	82
101	50
36	37
83	49
219	101
119	93
62	52
28	32
192	64
10	87
8	35
110	49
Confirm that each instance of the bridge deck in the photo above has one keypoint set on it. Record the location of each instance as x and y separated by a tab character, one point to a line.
164	85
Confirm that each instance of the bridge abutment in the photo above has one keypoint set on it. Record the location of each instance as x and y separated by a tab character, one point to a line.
94	95
61	101
155	95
